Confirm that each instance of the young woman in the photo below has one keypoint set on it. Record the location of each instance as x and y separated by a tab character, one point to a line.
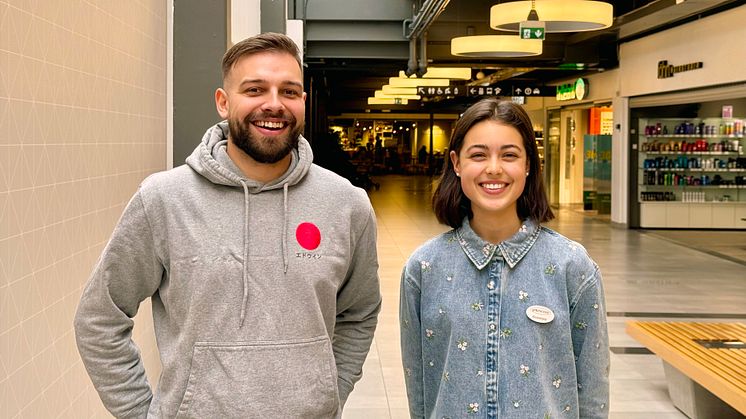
501	317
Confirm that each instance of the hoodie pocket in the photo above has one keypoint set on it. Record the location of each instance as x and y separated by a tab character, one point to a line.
289	379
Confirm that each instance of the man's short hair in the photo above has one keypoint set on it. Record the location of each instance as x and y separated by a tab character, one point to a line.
264	42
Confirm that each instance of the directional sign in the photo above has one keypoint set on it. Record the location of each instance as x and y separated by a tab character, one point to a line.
511	90
432	91
532	29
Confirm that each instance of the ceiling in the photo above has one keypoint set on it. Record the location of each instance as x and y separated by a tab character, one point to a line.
345	82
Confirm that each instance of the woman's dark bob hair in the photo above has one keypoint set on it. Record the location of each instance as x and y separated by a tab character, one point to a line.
449	201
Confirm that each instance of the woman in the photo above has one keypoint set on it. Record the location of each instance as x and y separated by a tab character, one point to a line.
501	317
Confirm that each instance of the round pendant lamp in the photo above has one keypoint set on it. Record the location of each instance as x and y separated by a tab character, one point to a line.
558	15
495	46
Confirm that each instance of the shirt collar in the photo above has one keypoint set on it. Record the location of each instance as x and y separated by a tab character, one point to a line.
480	252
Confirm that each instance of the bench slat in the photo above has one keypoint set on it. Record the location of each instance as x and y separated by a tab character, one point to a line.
719	370
722	361
686	348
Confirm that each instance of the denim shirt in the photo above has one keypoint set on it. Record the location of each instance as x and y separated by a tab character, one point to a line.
469	348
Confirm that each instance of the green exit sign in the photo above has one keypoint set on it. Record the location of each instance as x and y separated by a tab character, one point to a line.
532	29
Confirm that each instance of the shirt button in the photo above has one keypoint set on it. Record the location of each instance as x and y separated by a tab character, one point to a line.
491	285
493	327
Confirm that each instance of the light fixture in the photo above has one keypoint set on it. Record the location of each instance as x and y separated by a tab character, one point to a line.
414	82
381	95
499	46
391	90
453	73
386	101
559	16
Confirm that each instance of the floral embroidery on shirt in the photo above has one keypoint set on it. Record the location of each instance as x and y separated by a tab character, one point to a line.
567	408
492	327
524	229
603	406
425	265
598	345
441	311
446	376
550	269
595	306
487	249
523	296
477	306
408	371
517	403
431	363
557	381
525	370
429	333
406	322
581	325
480	373
491	285
473	408
506	332
449	278
462	344
547	415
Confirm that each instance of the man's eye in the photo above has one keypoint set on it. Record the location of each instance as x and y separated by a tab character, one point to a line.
290	92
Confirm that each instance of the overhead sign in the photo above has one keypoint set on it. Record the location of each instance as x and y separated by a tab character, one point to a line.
532	29
666	70
432	91
503	89
572	91
510	90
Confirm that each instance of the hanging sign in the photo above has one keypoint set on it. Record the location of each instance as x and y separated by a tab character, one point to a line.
532	29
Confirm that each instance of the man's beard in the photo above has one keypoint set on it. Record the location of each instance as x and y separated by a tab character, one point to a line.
264	149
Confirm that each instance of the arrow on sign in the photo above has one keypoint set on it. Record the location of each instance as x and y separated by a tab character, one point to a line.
538	33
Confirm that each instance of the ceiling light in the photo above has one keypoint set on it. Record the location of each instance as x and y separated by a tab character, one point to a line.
454	73
391	90
414	82
500	46
381	95
382	101
559	16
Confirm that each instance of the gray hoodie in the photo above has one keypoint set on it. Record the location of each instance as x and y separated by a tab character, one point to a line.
264	296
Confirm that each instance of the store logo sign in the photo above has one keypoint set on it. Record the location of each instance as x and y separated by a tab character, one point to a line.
666	70
572	91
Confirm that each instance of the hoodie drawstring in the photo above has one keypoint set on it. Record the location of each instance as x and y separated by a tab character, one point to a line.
285	227
245	253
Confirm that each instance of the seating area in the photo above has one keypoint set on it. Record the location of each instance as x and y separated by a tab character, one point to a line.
705	364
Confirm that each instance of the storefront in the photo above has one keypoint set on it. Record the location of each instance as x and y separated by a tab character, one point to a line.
684	96
577	140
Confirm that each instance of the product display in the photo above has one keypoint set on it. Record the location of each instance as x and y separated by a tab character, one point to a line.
688	166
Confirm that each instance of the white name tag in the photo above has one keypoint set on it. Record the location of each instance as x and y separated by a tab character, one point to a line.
540	314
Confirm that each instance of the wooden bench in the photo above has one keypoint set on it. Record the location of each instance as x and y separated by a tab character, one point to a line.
700	374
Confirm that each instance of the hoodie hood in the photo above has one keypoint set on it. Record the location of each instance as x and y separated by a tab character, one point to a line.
210	159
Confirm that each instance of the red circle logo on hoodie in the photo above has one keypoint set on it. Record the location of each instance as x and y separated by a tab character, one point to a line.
308	236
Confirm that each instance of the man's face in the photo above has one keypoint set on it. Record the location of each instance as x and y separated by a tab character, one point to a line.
263	100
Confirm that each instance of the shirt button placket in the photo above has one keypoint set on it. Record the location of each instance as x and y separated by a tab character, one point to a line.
493	311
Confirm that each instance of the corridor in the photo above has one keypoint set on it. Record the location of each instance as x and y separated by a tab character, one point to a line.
645	276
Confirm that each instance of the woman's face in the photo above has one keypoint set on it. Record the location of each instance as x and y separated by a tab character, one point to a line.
492	166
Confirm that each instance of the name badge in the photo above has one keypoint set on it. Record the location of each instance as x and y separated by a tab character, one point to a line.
540	314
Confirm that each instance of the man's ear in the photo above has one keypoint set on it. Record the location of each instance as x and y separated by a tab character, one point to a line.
221	103
304	96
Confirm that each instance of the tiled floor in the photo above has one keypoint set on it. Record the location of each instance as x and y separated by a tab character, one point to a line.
644	276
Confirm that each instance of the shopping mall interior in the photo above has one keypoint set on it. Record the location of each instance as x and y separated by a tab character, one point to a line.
638	109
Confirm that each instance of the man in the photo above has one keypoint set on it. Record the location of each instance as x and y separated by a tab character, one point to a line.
261	267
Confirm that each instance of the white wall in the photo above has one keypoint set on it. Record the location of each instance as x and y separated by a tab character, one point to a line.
82	122
717	41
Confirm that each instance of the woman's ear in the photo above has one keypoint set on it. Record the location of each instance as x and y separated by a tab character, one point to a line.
221	103
455	162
